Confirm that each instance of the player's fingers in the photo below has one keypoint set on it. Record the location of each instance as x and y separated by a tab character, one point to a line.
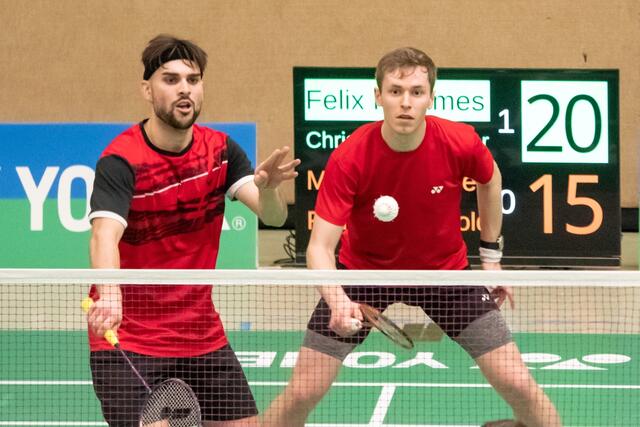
261	178
498	296
268	162
512	301
341	326
290	165
276	157
356	313
95	319
284	150
289	175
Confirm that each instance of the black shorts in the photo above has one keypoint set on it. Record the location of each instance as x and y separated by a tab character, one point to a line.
452	308
216	378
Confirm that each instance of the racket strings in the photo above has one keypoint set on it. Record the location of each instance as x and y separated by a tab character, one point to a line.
386	326
172	401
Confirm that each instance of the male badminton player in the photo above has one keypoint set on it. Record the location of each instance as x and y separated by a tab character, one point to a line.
158	202
396	185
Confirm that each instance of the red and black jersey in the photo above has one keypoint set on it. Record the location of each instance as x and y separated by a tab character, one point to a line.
426	183
172	206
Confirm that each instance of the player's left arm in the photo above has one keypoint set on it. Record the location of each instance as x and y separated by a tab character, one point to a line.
490	211
263	195
490	207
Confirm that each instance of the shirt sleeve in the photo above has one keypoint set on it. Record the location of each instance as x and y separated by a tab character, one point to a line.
337	194
478	162
112	189
239	170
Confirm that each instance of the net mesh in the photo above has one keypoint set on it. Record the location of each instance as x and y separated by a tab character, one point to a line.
578	334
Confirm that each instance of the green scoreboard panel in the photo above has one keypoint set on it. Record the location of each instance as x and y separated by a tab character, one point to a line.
553	133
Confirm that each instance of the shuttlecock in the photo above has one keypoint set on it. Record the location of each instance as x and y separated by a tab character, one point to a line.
385	208
356	325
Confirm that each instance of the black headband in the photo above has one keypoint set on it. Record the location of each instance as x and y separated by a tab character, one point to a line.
178	52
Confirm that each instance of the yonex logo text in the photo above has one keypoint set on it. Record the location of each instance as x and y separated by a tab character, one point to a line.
437	189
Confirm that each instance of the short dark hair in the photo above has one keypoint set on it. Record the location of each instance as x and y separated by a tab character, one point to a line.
405	57
164	48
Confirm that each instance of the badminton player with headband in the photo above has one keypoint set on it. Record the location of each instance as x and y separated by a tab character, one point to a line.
158	202
396	184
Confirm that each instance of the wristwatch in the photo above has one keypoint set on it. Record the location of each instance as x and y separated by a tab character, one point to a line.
497	245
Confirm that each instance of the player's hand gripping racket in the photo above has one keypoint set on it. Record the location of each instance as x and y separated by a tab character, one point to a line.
373	318
171	403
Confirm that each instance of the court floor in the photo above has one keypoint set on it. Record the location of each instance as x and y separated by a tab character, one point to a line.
593	379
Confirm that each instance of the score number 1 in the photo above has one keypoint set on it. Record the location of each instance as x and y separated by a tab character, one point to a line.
546	183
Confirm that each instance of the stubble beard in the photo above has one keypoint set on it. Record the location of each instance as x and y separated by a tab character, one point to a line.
170	119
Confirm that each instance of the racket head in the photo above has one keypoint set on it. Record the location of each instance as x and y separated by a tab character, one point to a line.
172	403
387	326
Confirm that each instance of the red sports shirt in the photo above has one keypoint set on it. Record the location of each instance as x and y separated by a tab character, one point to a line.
426	183
172	206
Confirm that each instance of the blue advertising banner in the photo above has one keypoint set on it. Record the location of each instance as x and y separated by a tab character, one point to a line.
46	178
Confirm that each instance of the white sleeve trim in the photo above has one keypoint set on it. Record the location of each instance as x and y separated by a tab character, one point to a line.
108	214
231	192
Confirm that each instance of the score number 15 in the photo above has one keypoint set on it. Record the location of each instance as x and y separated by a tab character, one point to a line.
546	182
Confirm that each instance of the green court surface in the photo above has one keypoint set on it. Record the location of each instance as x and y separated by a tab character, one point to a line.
594	380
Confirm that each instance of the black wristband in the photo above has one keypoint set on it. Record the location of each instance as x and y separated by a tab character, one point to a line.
498	245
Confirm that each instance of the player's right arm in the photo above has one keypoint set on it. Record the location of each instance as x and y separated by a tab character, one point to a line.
106	312
321	256
110	203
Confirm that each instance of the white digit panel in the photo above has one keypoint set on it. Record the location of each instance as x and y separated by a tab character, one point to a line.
564	121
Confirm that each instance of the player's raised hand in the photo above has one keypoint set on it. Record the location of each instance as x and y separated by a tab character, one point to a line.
270	173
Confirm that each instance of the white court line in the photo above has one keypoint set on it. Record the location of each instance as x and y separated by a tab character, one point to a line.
37	382
54	423
457	385
380	411
100	423
393	425
351	384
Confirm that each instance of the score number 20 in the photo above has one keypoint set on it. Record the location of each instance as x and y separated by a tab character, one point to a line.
564	122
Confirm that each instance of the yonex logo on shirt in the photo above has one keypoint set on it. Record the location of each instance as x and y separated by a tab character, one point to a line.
437	189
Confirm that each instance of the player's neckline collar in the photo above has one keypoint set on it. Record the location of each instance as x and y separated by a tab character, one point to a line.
160	150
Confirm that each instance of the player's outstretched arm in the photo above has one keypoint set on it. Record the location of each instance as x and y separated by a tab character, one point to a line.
263	196
106	313
321	256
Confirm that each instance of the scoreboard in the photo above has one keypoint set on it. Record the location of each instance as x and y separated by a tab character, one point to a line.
553	133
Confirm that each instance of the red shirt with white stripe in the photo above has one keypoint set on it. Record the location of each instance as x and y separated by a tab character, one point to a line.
426	183
172	206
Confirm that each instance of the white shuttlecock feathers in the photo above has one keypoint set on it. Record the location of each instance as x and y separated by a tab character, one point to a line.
385	208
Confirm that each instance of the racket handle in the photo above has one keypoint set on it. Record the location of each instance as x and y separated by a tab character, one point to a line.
110	334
